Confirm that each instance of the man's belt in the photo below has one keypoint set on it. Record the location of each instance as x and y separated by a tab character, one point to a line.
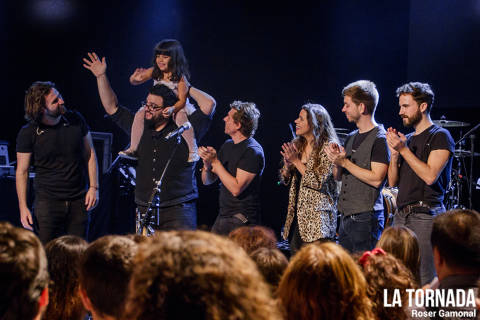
416	207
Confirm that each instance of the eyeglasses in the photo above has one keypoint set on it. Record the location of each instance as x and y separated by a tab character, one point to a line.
151	106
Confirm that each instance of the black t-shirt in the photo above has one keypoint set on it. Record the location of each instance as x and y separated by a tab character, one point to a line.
248	156
410	187
380	152
179	184
57	156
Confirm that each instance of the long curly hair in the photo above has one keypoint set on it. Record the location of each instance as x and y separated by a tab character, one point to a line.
385	272
197	275
322	281
63	256
322	129
178	64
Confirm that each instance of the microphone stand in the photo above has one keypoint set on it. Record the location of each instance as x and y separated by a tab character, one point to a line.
144	223
472	149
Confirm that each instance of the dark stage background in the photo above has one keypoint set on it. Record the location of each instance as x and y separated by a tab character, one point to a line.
279	56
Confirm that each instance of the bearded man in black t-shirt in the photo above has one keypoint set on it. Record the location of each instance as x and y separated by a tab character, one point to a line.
420	166
239	166
59	145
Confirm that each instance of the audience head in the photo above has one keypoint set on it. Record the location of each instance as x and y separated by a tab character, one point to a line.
323	282
456	242
251	238
196	275
384	271
63	256
402	243
271	263
23	274
105	270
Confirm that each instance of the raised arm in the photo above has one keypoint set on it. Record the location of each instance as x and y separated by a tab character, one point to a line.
141	75
393	169
205	101
107	95
21	177
92	196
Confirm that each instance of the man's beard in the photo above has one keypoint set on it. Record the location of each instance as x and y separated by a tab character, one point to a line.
413	120
55	114
152	123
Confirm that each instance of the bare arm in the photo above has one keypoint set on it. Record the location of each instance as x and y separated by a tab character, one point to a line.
393	170
21	177
107	95
235	184
141	75
429	171
205	101
92	196
373	177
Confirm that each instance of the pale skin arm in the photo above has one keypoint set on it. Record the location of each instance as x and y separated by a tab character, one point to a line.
393	166
208	177
373	177
429	171
107	95
331	150
290	155
92	196
21	177
141	75
206	102
182	99
235	184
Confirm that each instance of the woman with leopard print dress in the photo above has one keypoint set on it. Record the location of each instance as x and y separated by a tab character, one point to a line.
312	212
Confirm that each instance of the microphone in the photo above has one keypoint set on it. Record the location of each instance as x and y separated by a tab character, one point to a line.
187	125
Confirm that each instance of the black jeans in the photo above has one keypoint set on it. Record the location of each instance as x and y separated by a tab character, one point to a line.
361	231
55	218
225	224
182	216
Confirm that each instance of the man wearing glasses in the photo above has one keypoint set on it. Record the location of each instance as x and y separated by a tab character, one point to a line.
177	208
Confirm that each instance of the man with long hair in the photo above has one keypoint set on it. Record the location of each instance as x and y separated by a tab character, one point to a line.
59	145
362	167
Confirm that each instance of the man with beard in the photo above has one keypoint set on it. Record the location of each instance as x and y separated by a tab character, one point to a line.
59	145
362	167
178	194
420	166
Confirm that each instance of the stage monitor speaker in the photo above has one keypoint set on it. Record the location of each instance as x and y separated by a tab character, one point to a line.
4	160
102	142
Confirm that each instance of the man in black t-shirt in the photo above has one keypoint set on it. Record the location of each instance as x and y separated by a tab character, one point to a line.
239	166
420	166
361	166
178	190
59	145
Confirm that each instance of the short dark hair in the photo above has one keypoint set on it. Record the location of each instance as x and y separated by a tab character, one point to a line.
167	94
363	91
35	99
456	235
23	272
247	115
420	92
105	270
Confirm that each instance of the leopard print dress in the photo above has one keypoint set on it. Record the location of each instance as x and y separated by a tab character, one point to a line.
316	203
